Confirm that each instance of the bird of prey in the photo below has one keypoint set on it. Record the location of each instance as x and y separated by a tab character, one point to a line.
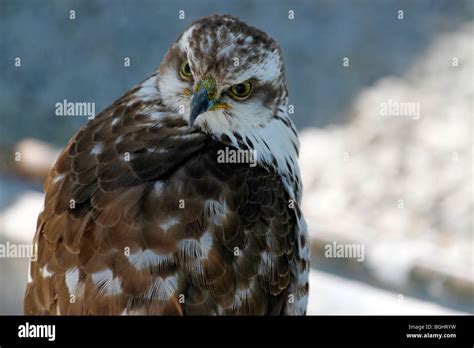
183	196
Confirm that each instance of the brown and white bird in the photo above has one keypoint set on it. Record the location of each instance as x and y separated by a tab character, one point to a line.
144	215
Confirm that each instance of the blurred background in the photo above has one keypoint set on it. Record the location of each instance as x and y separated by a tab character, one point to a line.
396	184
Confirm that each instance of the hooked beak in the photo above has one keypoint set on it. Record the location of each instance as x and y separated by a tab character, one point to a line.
200	103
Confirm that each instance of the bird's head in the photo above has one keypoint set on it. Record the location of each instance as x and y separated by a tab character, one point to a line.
227	79
224	76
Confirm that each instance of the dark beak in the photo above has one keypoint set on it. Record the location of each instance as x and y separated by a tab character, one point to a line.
199	104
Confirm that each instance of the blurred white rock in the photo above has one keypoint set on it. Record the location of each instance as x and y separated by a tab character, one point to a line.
18	221
333	295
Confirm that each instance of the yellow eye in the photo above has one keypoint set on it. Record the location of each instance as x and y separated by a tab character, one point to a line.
241	91
185	71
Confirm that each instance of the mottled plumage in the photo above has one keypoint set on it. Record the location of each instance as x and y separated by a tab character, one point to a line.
141	218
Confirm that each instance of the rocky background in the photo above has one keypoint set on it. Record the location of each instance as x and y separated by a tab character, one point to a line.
402	185
398	186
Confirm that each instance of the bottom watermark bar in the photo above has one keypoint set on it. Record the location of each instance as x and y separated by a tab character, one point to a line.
310	330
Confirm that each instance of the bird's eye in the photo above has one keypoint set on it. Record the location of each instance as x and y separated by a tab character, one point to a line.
241	91
185	71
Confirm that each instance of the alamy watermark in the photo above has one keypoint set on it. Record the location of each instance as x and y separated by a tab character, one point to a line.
401	109
28	330
337	250
19	251
67	108
230	155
